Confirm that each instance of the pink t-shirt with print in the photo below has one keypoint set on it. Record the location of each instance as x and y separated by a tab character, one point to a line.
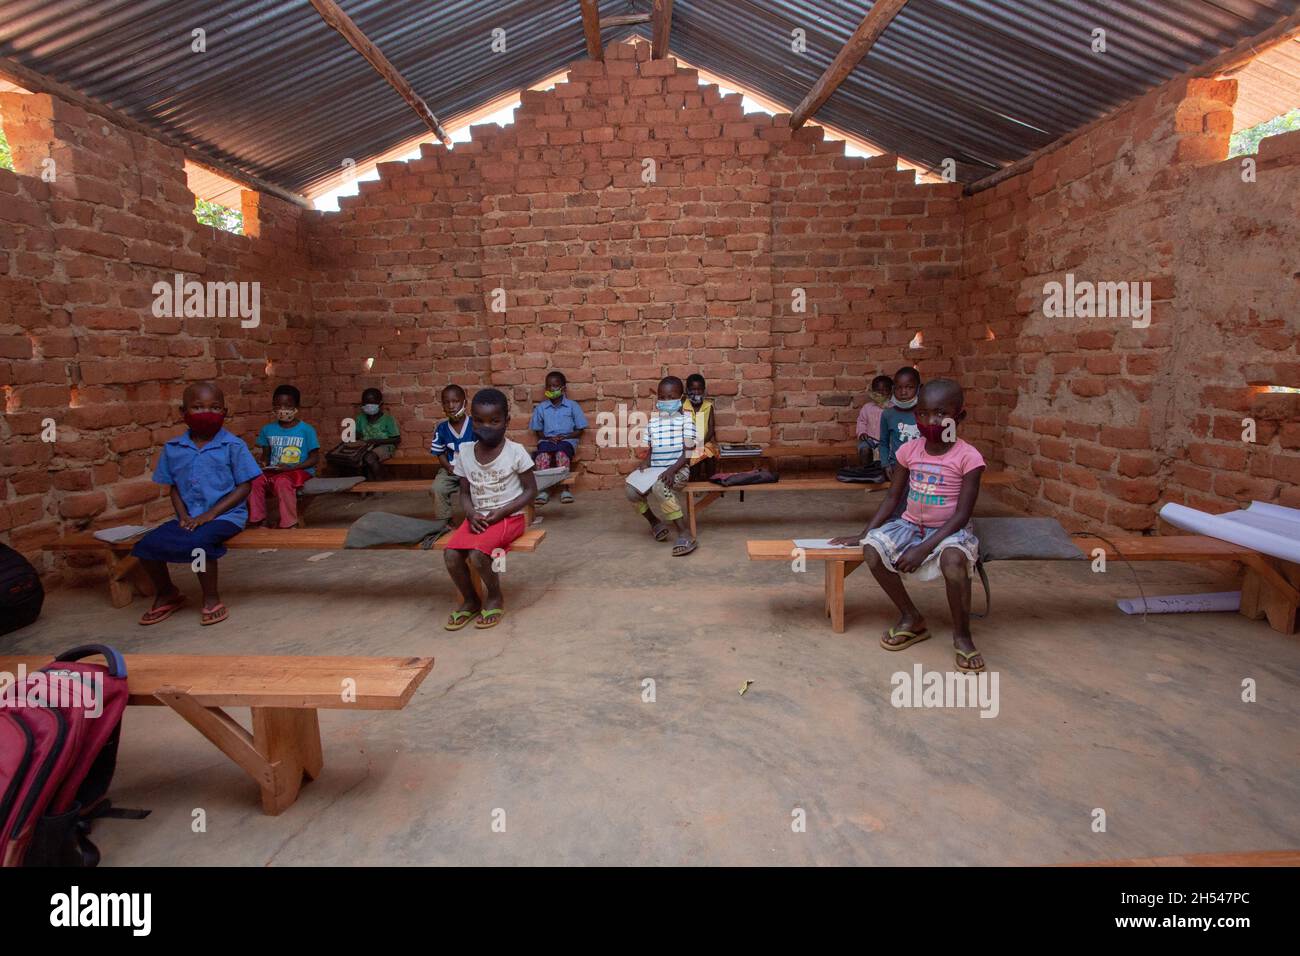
934	481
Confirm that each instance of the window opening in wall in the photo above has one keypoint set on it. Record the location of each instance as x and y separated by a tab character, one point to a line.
219	217
1246	142
6	157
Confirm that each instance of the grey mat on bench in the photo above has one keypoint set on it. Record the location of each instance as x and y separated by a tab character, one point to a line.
1024	539
325	486
379	527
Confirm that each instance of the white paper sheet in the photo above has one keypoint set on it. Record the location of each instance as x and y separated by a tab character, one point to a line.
813	543
1271	529
643	479
1183	603
121	532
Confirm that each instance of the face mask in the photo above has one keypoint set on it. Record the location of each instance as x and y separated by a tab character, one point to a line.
204	424
370	409
931	432
910	403
456	414
881	400
669	407
490	439
286	415
554	392
697	400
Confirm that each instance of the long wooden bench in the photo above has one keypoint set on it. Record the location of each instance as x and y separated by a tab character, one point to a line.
776	453
284	747
126	576
709	492
1270	588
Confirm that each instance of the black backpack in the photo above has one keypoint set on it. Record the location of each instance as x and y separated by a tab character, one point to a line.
21	593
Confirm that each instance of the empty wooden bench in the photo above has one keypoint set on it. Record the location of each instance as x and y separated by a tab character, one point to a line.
709	492
126	576
778	453
283	748
1270	588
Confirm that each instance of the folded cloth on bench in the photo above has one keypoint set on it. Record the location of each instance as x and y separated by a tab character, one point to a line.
1270	529
1024	539
547	477
378	528
325	486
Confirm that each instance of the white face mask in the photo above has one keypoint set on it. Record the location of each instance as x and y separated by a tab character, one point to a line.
370	409
907	404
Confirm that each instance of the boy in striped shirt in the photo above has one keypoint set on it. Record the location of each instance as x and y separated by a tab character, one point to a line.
671	437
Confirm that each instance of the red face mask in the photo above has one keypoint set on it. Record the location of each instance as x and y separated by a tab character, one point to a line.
930	432
204	424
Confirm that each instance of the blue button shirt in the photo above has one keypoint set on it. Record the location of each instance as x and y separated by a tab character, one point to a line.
204	476
562	419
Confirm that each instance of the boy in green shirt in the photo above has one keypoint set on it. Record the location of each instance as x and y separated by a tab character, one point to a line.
378	430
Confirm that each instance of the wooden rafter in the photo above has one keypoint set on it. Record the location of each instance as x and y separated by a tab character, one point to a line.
28	79
331	13
591	27
662	18
623	20
863	39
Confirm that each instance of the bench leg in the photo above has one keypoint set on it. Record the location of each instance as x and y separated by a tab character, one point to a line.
835	595
126	578
694	506
288	738
1271	589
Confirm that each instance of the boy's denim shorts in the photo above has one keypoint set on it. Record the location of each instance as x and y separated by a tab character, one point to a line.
894	537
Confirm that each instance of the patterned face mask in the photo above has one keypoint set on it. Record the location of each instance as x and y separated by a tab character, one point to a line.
554	392
286	415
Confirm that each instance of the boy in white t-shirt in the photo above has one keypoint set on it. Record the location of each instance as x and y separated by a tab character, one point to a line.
496	485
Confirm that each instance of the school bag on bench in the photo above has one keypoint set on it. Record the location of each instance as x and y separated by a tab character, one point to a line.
21	593
59	732
871	474
734	479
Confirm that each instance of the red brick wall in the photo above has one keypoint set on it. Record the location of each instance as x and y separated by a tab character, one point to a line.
1103	421
79	343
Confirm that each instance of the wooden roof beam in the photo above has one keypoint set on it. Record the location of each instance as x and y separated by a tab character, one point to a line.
661	17
858	45
591	27
334	16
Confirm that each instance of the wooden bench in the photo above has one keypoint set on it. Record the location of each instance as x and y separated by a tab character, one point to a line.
283	693
1270	588
777	453
709	492
126	576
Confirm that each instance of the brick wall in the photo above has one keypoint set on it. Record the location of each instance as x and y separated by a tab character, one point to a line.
1103	421
82	242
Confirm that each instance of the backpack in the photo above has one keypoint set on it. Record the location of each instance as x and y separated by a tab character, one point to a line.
732	479
871	474
21	593
59	733
348	455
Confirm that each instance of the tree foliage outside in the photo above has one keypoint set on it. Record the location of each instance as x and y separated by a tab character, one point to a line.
6	157
1246	142
220	217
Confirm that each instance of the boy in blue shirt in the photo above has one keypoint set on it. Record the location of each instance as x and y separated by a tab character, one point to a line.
290	452
210	472
454	431
558	423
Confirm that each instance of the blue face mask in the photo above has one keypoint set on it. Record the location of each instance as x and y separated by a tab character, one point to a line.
669	407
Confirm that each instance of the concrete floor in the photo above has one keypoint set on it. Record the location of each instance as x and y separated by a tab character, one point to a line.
543	717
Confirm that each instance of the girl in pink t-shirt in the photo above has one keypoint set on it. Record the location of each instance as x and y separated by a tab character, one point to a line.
939	474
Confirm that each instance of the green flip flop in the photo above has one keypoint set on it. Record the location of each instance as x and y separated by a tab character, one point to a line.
489	618
912	637
962	661
459	619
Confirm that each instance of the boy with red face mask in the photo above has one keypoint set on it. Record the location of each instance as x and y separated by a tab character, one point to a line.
210	472
939	474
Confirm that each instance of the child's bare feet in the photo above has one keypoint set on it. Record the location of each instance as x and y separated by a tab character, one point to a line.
967	658
909	630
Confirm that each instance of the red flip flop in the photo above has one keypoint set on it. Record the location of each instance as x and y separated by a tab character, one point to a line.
218	614
156	615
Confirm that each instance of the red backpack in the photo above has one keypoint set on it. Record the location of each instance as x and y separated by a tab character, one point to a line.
59	731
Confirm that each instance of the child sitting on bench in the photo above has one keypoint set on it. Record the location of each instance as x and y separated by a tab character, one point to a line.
496	485
210	472
290	452
558	423
881	397
940	475
898	421
379	431
704	460
671	438
451	433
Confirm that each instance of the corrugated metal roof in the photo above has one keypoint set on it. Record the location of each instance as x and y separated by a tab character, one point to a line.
280	95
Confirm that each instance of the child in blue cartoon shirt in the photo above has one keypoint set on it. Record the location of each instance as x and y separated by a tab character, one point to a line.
289	455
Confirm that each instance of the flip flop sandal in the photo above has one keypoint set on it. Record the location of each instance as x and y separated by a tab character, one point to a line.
963	661
156	615
541	499
459	619
214	615
489	618
912	637
566	497
660	531
680	550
